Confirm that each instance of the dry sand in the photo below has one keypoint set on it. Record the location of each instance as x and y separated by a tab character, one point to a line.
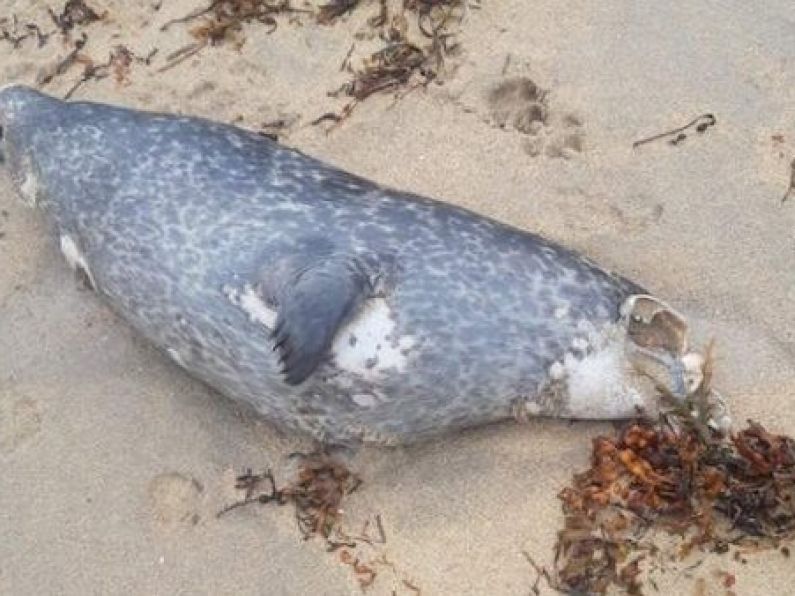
113	462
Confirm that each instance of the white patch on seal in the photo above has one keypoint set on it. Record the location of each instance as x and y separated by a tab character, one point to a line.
232	293
599	382
366	346
29	189
364	400
256	308
234	140
579	343
74	257
599	385
174	354
250	302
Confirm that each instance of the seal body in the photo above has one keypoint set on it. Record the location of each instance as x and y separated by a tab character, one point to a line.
331	304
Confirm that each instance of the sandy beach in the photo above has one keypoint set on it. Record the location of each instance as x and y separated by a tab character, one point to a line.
113	462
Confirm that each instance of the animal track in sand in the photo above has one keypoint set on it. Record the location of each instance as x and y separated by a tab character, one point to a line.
175	499
20	421
520	104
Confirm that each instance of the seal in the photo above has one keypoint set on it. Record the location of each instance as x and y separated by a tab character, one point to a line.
331	304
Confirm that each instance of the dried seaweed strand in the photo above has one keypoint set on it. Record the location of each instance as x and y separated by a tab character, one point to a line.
701	124
178	56
67	62
330	12
118	63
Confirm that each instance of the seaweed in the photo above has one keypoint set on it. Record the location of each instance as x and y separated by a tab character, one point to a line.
709	491
417	36
328	13
74	56
409	59
10	32
223	22
180	55
386	69
225	18
118	64
74	12
317	494
678	135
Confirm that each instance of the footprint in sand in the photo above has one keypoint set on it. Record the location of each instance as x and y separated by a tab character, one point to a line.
175	499
20	421
518	103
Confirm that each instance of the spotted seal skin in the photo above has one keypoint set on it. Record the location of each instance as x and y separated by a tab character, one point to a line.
333	305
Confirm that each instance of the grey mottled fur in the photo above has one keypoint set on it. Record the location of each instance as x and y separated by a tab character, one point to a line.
167	211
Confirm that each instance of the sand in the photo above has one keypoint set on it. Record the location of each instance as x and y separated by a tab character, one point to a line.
113	462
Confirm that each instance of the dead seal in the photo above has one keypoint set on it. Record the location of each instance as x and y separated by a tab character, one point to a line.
331	304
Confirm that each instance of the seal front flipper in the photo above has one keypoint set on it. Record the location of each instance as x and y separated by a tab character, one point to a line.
312	304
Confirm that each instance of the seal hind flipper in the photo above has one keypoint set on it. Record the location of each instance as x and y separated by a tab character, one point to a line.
312	305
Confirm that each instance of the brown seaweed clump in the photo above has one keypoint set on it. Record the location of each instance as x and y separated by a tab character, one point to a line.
417	36
222	22
317	493
707	491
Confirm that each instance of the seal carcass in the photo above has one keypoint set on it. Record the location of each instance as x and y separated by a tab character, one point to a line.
333	305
